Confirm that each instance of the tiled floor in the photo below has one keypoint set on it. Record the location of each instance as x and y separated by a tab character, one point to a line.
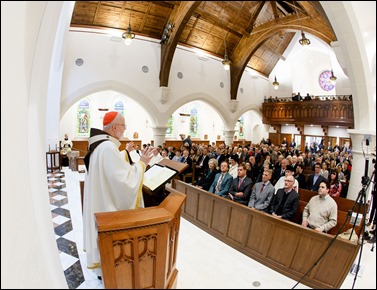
202	262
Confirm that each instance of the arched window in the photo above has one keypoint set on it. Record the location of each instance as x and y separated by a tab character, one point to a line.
241	129
119	107
170	125
83	118
194	122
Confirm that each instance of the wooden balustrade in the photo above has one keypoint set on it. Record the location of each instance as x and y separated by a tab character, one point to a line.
281	245
326	112
81	145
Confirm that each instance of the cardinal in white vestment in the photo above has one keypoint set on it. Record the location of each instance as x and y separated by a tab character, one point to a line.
111	183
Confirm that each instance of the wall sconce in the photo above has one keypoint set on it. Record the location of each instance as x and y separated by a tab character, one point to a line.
275	84
128	35
226	61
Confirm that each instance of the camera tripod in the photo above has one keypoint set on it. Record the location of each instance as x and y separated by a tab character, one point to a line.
362	201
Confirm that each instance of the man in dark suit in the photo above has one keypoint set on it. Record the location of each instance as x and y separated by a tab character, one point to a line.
187	143
202	164
186	159
279	171
284	204
329	147
240	189
316	178
300	177
255	169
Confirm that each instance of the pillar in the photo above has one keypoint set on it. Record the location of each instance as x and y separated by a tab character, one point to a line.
159	133
229	136
359	161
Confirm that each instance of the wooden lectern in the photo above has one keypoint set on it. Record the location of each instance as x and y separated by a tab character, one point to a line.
154	196
138	247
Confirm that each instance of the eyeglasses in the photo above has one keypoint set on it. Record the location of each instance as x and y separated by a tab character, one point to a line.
288	180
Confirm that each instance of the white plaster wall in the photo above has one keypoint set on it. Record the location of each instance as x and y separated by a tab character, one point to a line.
356	33
29	254
338	132
300	71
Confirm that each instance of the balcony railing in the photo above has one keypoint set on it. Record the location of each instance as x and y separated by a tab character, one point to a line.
321	110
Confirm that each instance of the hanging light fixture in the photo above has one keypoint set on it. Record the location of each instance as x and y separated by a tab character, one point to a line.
303	41
333	77
275	84
226	61
128	35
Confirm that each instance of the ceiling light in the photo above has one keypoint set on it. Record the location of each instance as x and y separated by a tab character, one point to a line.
303	41
226	61
128	35
275	84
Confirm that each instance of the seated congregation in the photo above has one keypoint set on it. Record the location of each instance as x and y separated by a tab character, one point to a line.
271	178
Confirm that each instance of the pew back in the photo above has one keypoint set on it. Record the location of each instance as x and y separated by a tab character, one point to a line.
282	245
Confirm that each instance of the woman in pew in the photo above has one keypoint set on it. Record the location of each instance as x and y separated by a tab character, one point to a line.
208	175
321	212
335	184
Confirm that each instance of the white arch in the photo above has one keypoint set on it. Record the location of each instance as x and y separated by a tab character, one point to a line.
122	88
199	96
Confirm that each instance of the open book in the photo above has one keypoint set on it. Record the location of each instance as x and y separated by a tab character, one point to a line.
158	175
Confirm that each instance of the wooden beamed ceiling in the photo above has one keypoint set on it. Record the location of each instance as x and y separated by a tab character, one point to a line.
255	33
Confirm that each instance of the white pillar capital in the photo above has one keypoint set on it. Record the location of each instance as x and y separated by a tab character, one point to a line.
229	134
159	133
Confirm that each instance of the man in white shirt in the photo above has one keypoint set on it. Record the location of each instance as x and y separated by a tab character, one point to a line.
289	171
156	157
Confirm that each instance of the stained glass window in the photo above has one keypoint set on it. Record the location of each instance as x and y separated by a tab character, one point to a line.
83	118
170	125
325	82
119	107
194	122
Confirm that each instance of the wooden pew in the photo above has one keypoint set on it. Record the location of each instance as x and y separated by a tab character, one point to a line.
281	245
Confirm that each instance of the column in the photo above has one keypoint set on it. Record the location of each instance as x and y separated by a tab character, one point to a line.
159	133
359	161
229	134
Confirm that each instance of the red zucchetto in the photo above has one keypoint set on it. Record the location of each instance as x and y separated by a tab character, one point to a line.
109	117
